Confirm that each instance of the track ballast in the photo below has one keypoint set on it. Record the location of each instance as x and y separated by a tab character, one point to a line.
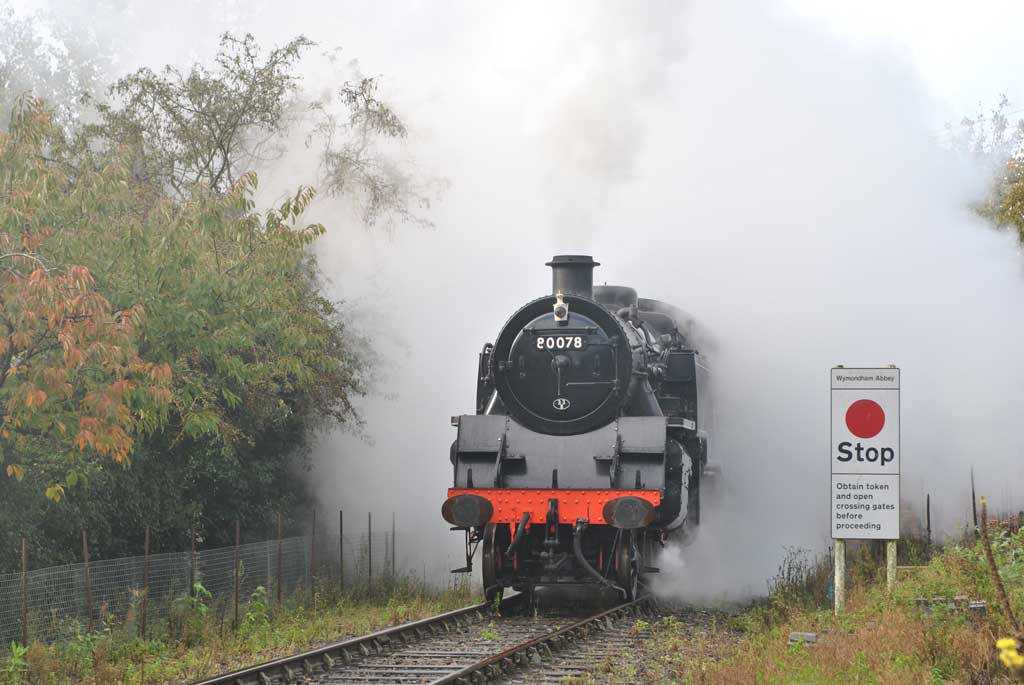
479	643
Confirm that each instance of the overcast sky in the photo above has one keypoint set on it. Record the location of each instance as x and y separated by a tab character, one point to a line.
967	53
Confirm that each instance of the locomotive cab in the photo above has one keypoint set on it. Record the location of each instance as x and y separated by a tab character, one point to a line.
588	440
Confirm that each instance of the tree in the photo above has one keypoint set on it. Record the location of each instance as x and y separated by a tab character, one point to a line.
208	127
241	356
44	56
72	384
993	137
1005	203
204	127
353	163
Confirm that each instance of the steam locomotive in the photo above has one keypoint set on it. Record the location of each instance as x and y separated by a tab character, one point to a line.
589	441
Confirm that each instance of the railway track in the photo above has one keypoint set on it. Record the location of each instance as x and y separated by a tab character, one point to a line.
471	645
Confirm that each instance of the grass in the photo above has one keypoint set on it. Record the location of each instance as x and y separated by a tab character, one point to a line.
201	646
881	639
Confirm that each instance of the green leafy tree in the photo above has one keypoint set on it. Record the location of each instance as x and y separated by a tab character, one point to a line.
1005	204
205	126
993	136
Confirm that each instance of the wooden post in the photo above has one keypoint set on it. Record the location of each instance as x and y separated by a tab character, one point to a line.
238	542
928	522
341	548
393	566
369	551
840	576
974	502
280	561
192	564
890	565
24	593
88	581
145	585
312	557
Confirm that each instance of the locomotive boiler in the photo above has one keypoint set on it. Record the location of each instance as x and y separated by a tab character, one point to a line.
589	441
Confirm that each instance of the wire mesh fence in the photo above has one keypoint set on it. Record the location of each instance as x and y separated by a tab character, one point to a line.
60	602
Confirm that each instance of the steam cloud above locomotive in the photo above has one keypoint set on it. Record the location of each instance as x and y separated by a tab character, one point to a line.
800	181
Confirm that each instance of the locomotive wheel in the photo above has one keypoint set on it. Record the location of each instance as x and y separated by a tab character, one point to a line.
495	543
627	564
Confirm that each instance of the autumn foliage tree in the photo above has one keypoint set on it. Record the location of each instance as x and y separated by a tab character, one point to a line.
72	382
159	317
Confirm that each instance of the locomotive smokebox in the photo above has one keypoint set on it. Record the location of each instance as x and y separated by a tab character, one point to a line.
573	274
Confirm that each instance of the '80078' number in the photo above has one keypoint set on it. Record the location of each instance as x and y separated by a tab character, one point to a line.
560	342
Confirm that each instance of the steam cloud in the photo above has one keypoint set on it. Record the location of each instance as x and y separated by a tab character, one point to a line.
786	188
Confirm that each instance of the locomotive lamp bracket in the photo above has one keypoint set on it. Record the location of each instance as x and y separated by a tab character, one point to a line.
613	466
561	309
500	457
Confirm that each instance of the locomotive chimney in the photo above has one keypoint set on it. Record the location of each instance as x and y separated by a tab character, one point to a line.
573	274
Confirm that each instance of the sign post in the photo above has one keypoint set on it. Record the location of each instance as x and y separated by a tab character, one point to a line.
865	463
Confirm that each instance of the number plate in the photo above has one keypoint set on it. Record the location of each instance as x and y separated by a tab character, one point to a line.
561	342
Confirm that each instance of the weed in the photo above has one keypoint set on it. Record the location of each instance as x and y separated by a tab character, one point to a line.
257	613
189	614
16	666
193	645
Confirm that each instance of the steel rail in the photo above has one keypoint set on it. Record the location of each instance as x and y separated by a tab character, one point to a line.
501	664
319	661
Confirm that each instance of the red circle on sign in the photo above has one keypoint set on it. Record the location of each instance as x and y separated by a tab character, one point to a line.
865	418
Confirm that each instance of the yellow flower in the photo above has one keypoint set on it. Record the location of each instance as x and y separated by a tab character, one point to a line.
1007	643
1016	660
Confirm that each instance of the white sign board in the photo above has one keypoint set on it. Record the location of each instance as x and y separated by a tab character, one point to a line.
865	453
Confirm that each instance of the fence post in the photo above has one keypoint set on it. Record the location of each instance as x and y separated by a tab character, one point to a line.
24	593
88	581
928	521
974	504
369	551
890	565
145	585
312	558
341	548
192	564
393	563
280	566
238	540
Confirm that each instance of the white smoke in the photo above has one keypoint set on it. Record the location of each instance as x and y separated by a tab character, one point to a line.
782	184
